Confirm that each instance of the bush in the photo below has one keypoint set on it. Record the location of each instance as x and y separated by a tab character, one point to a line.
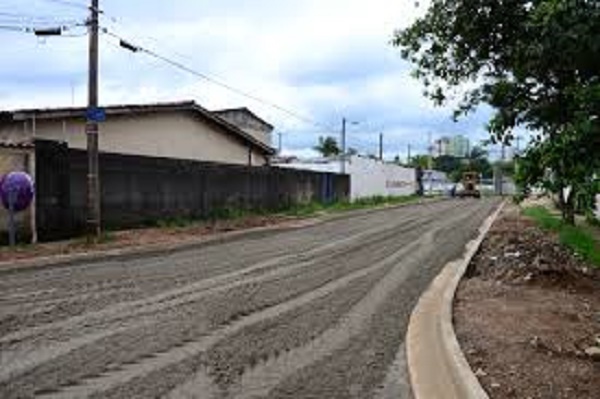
577	238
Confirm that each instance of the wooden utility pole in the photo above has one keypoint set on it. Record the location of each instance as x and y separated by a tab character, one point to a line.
408	157
280	143
381	146
93	117
343	144
430	163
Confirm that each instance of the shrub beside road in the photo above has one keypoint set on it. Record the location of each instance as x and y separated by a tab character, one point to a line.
580	239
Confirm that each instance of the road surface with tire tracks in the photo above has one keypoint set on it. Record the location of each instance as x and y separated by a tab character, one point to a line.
317	312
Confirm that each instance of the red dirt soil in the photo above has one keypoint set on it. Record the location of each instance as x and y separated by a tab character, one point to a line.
527	312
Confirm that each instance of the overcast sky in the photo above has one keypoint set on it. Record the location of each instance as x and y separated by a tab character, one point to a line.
321	59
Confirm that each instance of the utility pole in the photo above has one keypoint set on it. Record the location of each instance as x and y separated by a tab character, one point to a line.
408	157
430	143
381	147
430	150
519	138
280	144
343	144
469	149
501	170
93	184
517	155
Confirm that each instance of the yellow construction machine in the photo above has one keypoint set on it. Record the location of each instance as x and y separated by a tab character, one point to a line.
470	181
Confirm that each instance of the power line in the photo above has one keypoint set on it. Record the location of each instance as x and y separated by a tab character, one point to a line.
69	3
25	22
324	127
179	65
27	17
57	30
14	28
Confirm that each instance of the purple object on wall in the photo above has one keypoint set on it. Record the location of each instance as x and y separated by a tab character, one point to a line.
19	186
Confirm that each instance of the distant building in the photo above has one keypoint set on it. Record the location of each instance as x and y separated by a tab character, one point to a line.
459	146
442	146
249	122
372	177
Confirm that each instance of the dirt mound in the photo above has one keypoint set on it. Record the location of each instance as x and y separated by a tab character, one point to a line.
517	252
528	316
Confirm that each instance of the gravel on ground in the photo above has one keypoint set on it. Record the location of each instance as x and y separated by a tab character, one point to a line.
315	312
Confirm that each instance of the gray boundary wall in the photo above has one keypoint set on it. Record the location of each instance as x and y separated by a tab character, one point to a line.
138	190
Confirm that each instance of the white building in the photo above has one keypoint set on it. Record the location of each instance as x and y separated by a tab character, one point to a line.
370	177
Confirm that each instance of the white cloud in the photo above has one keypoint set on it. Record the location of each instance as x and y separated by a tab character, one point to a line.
322	59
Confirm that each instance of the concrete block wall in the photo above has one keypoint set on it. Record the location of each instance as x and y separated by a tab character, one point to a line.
137	190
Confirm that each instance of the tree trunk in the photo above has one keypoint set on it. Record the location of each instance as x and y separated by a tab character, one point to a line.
568	209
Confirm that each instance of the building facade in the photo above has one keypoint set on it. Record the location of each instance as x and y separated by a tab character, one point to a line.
181	130
249	122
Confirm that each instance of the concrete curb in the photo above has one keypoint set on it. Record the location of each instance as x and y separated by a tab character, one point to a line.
436	364
96	256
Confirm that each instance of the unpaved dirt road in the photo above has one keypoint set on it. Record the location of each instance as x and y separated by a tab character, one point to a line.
318	312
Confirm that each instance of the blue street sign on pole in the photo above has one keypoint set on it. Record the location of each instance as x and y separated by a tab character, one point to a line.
96	114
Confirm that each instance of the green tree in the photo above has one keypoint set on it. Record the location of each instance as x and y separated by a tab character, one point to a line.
455	167
563	162
478	162
537	63
328	147
419	161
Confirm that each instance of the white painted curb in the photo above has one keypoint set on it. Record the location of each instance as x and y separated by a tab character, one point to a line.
437	367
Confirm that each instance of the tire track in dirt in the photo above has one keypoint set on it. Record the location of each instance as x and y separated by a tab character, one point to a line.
362	277
231	371
194	291
225	327
358	370
125	336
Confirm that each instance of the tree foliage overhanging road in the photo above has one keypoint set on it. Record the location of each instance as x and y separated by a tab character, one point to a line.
536	62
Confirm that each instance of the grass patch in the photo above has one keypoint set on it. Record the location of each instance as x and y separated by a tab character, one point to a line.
343	206
297	210
580	239
544	218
